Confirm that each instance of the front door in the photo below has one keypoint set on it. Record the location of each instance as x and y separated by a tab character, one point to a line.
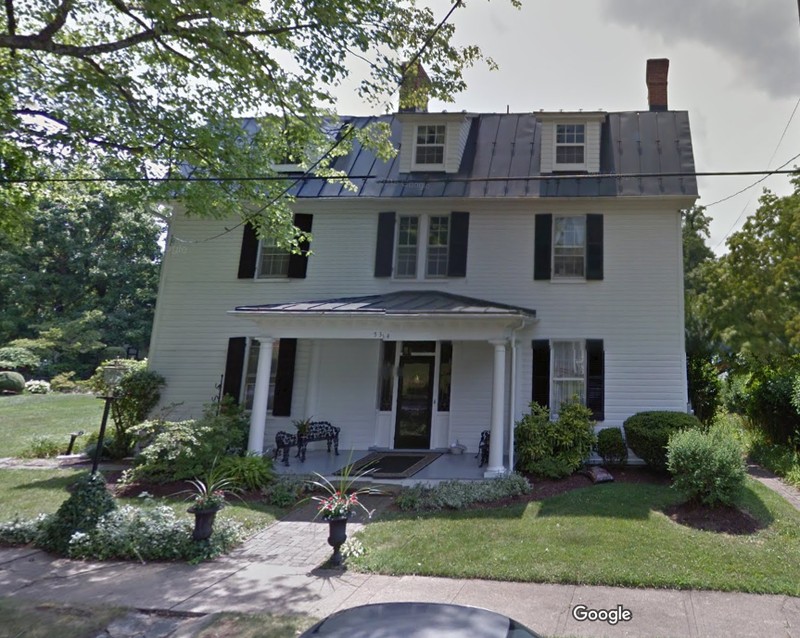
414	403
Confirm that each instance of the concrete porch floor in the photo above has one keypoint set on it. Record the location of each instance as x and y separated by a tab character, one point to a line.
447	467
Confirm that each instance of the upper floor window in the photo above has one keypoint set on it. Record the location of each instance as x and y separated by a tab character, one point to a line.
570	145
569	246
422	246
272	260
434	252
429	146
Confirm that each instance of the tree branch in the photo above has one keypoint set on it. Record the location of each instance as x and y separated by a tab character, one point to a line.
10	17
59	20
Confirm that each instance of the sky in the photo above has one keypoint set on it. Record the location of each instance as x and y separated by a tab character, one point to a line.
734	66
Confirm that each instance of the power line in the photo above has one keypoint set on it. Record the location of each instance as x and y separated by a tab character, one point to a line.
415	178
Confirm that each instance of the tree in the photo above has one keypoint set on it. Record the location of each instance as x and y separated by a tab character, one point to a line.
751	295
701	346
152	87
86	279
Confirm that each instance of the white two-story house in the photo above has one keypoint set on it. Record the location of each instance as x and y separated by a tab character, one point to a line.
498	259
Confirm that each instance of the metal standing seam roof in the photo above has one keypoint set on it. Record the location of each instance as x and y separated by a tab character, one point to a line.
503	152
395	303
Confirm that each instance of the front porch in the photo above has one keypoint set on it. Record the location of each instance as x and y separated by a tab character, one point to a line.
448	467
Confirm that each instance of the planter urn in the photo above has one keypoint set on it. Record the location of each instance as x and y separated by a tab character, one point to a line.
203	522
337	535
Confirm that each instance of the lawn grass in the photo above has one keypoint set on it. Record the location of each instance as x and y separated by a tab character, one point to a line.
610	534
53	415
26	493
29	619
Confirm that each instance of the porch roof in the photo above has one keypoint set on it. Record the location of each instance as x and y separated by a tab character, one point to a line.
403	315
405	303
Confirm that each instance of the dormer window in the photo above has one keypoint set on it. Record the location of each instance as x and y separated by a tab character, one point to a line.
429	147
570	146
571	141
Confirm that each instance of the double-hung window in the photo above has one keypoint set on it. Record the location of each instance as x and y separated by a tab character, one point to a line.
434	251
569	247
273	262
429	146
570	146
568	374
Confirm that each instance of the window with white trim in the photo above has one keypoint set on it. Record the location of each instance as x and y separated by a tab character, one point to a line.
568	375
249	382
273	262
570	146
569	247
429	146
433	251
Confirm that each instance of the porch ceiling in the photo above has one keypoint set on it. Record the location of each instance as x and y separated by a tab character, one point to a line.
395	315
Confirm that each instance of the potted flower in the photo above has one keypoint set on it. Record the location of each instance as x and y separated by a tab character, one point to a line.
208	498
337	504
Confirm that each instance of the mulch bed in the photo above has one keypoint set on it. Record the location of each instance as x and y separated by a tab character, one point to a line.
722	519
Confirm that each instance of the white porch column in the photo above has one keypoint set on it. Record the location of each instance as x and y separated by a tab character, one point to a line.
313	380
258	415
496	467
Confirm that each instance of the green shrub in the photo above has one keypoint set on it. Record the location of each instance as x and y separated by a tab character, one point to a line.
12	382
704	387
43	447
22	531
459	494
175	450
251	472
647	434
771	392
611	446
137	394
285	491
19	359
65	382
553	448
89	501
706	466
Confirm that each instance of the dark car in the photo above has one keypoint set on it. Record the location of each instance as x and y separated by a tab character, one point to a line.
418	620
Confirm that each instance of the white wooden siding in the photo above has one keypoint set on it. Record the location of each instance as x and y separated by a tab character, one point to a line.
637	309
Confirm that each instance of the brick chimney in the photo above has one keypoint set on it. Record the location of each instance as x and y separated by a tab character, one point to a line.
414	90
657	84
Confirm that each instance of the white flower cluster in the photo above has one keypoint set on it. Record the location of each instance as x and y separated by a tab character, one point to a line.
35	386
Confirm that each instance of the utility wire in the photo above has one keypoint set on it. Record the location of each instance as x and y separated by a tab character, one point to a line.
747	204
415	179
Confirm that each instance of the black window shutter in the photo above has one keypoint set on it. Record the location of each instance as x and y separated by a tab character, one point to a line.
459	239
284	378
543	241
595	378
384	249
541	372
594	247
249	253
234	367
299	263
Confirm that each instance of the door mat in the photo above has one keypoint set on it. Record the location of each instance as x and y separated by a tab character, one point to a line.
392	464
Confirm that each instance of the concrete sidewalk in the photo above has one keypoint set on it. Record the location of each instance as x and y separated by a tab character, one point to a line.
277	571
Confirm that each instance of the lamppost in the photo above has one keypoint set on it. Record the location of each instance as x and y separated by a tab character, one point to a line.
112	375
